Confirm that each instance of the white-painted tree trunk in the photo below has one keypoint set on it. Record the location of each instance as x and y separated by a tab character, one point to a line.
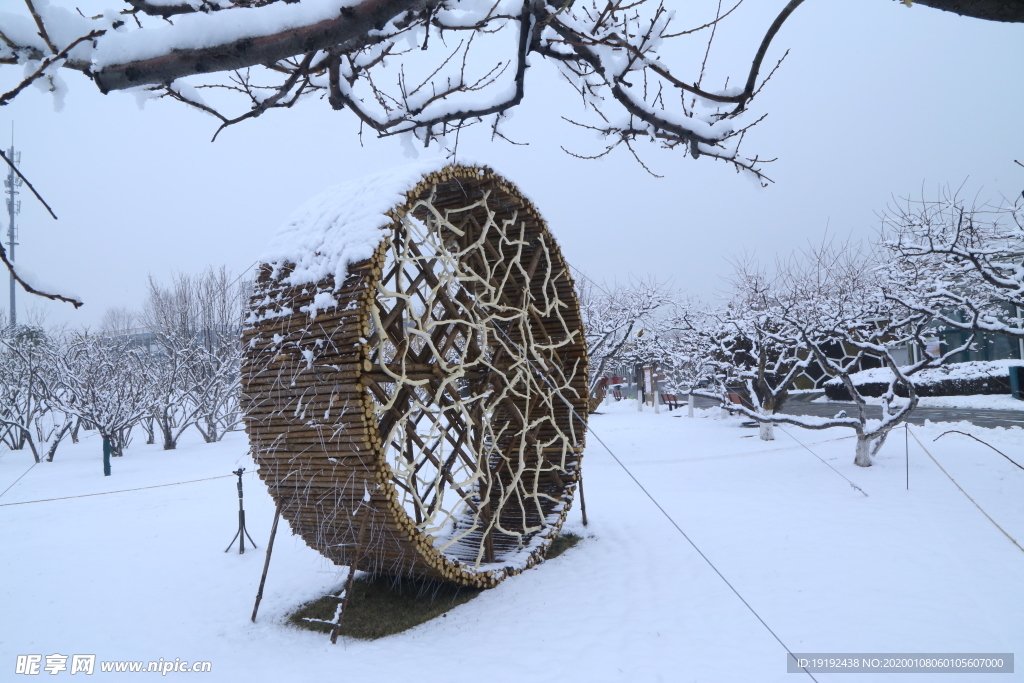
689	411
767	428
657	400
863	458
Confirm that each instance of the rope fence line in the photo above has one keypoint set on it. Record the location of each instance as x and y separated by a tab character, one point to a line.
699	551
665	513
950	477
19	478
106	493
823	460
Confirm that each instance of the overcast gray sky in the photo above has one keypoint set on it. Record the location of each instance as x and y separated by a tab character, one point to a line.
874	100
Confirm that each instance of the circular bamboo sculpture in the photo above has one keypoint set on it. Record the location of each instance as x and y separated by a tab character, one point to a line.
425	417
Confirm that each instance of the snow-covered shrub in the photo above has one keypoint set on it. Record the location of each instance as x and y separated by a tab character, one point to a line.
956	379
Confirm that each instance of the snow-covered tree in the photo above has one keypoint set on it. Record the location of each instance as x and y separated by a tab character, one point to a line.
102	380
23	404
759	348
685	361
962	264
612	316
831	301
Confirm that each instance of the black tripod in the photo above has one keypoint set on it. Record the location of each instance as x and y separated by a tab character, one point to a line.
242	532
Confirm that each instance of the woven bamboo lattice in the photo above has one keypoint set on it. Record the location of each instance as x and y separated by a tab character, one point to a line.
420	424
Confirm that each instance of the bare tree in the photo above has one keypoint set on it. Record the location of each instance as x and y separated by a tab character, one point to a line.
959	263
196	326
118	321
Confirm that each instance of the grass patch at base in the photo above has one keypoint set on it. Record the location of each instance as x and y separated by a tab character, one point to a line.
562	543
384	605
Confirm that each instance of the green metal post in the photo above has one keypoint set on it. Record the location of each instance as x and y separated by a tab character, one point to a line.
1016	377
106	457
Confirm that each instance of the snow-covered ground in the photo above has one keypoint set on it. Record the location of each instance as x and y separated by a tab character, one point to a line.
141	575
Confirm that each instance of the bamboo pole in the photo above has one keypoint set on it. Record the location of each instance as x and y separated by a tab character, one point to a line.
266	562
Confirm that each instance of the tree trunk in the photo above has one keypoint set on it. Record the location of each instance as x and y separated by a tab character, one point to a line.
32	445
863	458
170	443
57	438
147	425
767	431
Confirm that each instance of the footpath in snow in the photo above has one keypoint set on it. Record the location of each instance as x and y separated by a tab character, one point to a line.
142	575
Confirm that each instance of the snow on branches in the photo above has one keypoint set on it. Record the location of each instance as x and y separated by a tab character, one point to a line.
181	369
420	69
29	409
831	300
611	317
961	264
750	338
824	306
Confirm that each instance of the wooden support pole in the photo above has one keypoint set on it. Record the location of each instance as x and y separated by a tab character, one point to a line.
344	603
583	501
357	552
266	562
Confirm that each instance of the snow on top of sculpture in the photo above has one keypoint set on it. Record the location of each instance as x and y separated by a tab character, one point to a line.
343	224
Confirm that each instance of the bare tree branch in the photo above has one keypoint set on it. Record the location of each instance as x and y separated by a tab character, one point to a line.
25	180
29	288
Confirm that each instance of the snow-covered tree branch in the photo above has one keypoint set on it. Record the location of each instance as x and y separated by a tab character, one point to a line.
421	69
960	263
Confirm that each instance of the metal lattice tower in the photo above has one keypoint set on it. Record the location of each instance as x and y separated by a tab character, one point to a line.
12	182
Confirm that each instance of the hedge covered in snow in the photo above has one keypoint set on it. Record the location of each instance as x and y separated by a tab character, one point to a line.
955	379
